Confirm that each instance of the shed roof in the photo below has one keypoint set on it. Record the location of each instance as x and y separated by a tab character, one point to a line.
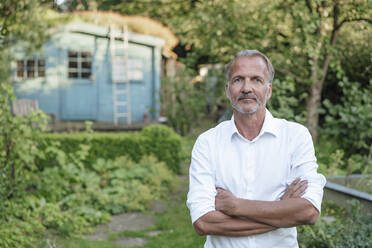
136	24
92	29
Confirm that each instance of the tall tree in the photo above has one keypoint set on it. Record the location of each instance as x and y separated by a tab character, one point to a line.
300	36
20	21
313	28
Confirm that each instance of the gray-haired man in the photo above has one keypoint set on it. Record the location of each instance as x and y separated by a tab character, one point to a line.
253	178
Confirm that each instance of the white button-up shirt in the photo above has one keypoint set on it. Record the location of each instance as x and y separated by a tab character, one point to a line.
260	169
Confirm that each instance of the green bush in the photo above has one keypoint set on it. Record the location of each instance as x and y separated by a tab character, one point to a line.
58	183
101	145
124	185
165	144
159	141
182	101
69	198
110	186
24	226
351	230
19	226
285	102
349	122
19	139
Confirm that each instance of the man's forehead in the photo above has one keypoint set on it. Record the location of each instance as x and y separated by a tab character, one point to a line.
254	62
251	60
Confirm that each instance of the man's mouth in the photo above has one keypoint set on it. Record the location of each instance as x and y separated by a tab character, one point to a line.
246	98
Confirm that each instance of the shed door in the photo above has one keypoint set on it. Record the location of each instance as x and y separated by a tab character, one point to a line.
79	102
79	95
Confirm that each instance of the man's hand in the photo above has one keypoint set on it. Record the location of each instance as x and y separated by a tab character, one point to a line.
291	210
295	190
225	202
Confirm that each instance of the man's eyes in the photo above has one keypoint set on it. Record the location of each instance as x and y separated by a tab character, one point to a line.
240	79
237	80
258	80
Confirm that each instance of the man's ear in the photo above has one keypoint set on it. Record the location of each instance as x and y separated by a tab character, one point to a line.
269	91
227	92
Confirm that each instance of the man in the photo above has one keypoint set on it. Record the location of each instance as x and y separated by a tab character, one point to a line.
253	178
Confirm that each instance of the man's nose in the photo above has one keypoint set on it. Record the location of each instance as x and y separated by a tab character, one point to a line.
246	86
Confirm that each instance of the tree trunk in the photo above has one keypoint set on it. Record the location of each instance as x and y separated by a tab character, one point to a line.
313	104
314	101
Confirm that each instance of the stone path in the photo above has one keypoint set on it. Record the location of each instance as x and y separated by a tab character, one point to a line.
129	221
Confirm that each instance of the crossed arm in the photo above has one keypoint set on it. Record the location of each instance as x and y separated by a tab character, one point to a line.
241	217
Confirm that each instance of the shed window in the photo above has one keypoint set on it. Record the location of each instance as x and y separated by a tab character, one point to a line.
31	68
79	64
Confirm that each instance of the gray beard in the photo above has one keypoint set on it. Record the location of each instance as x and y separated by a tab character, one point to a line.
240	110
258	106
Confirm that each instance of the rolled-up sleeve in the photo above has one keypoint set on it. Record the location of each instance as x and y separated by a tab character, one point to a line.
304	166
202	191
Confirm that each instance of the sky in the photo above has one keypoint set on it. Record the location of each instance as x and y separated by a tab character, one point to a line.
59	1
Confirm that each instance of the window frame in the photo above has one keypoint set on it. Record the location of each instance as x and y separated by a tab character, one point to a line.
80	58
28	65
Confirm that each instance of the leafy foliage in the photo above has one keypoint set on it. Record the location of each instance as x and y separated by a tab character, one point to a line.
22	20
159	141
301	37
68	195
182	102
174	224
283	103
165	144
19	145
349	122
69	198
111	186
347	231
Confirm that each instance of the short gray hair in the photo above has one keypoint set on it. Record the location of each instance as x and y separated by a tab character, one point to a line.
251	53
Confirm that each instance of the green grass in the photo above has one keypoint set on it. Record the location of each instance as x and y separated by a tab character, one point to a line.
83	243
177	229
174	224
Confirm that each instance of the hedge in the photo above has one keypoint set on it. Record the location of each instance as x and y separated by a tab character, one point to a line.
158	140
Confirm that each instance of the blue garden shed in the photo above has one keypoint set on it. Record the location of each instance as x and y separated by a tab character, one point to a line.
97	66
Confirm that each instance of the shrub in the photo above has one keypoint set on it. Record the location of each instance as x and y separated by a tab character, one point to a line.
19	226
165	144
121	185
349	122
109	186
69	198
285	102
159	141
19	139
349	231
183	103
101	145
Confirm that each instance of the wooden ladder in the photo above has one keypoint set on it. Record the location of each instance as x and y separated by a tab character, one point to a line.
120	74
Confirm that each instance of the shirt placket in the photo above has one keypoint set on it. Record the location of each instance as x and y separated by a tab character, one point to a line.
250	169
250	164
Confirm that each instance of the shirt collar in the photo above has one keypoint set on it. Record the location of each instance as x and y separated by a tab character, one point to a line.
269	126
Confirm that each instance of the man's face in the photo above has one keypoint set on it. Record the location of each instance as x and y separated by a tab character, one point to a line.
248	89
